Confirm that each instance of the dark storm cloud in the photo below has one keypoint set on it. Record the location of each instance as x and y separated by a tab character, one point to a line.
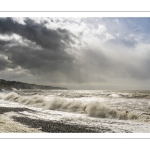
47	38
3	63
39	60
51	56
3	45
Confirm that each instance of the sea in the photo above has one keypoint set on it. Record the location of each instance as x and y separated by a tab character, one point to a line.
113	111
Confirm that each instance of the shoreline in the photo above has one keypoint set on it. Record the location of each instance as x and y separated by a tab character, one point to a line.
37	125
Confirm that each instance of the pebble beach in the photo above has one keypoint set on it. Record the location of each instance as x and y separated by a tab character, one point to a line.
12	123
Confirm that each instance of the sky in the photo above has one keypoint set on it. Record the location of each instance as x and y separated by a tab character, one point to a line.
77	53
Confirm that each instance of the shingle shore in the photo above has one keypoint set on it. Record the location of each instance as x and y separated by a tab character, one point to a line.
48	125
52	127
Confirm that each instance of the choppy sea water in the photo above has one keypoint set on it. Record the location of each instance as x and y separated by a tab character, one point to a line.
116	111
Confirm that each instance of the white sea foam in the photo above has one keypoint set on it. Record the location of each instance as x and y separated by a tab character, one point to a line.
66	105
35	100
14	89
114	95
91	108
1	96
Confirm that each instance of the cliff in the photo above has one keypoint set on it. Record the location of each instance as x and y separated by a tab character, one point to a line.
20	85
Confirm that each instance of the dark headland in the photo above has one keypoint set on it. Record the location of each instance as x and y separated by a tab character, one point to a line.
20	85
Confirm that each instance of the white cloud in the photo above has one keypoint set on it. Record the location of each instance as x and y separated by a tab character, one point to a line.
19	20
6	37
109	36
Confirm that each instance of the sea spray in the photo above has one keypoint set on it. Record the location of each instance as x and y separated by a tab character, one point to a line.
91	108
35	100
66	105
11	96
96	109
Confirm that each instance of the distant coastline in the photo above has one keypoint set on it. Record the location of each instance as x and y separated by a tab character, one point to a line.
9	85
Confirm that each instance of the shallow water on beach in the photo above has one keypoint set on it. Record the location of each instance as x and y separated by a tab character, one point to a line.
119	111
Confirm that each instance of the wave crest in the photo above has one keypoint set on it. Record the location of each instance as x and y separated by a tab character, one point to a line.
92	109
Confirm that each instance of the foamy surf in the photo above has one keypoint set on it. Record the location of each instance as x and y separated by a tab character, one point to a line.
98	110
91	108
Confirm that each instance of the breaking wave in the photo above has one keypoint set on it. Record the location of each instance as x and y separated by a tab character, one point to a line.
91	108
35	100
132	94
113	94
